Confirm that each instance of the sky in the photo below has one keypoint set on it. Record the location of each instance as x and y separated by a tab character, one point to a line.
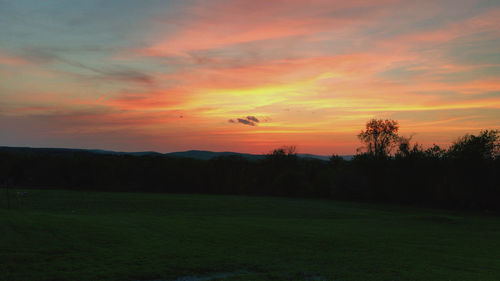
245	75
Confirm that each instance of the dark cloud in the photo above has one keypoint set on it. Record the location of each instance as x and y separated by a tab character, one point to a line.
249	120
253	118
39	55
121	73
127	75
246	122
115	72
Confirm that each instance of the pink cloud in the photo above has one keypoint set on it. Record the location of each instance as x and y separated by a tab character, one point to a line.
218	24
10	60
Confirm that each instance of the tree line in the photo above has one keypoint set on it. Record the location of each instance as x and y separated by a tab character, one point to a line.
389	168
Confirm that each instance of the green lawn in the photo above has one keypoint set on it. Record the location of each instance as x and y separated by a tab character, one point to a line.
66	235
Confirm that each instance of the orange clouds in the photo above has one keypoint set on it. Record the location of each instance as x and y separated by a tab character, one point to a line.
218	24
315	71
12	61
148	101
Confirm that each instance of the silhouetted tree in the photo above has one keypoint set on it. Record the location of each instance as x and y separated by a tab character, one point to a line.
336	160
406	150
380	137
485	146
283	152
435	152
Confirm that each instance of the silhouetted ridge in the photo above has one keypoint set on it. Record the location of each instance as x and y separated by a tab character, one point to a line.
195	154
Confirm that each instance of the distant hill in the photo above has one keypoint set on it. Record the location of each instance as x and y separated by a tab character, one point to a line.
196	154
28	150
206	155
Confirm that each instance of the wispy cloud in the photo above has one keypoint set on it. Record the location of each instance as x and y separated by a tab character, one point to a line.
316	70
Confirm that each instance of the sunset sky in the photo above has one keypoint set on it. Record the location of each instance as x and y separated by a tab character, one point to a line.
245	76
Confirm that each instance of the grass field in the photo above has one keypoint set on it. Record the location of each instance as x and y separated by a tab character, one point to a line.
66	235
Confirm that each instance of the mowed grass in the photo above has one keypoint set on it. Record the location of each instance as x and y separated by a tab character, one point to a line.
69	235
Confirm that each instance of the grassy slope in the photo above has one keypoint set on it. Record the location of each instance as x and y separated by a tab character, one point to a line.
65	235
